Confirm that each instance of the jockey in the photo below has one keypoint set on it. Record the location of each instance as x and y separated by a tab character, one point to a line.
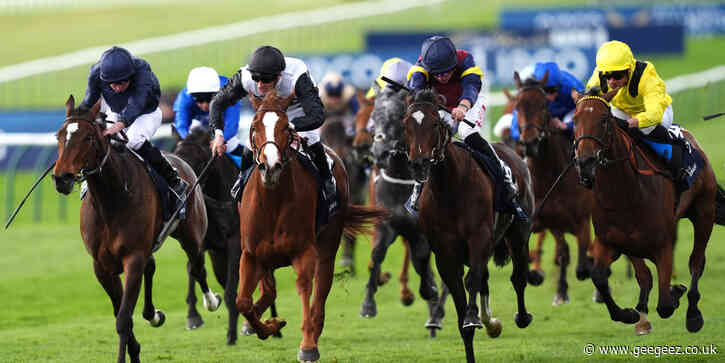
192	107
339	100
454	75
130	93
268	69
395	69
642	101
558	89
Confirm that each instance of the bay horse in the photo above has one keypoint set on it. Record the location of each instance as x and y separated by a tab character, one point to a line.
121	217
362	152
636	208
279	228
392	186
548	154
457	215
334	134
222	239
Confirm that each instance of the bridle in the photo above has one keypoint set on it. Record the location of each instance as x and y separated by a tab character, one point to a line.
606	142
438	154
257	150
83	174
544	131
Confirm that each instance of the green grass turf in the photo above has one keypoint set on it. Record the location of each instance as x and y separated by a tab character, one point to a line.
54	310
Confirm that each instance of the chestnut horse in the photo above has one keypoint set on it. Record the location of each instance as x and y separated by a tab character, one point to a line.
121	217
457	215
279	227
636	208
569	207
222	239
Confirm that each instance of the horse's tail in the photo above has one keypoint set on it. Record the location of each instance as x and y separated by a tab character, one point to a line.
720	206
358	217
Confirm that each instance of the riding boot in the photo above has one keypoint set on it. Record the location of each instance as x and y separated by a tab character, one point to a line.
412	204
161	165
317	152
673	157
247	166
479	144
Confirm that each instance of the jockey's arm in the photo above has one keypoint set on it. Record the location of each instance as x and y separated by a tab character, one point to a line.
143	93
230	93
182	114
653	92
93	92
231	121
309	98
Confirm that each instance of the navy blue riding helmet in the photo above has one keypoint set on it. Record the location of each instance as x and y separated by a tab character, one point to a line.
334	89
116	65
438	54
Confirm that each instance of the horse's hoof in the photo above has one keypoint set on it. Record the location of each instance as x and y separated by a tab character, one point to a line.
628	316
597	297
523	320
194	322
384	278
494	328
694	322
407	298
433	324
212	301
158	320
472	322
677	291
582	273
643	327
308	355
247	329
369	309
560	300
231	340
535	277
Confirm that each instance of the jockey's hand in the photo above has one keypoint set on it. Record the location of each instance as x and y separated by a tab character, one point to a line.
633	123
218	146
459	112
557	124
115	128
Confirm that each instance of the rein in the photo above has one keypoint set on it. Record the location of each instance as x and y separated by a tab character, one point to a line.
543	131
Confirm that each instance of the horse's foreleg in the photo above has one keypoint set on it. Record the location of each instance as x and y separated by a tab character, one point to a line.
584	240
305	266
478	255
234	253
250	272
603	258
348	253
197	270
518	242
268	293
323	284
563	260
644	280
155	317
384	237
535	254
111	284
451	273
703	228
406	296
428	290
133	269
669	296
193	318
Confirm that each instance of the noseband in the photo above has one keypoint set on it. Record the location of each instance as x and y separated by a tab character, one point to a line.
83	174
605	147
257	150
438	154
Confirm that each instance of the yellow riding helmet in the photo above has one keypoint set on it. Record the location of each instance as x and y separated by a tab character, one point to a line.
614	56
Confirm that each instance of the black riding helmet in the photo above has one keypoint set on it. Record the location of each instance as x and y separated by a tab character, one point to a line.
267	60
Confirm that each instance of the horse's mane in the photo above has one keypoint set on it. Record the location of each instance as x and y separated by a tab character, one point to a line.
426	95
593	91
389	106
198	136
530	82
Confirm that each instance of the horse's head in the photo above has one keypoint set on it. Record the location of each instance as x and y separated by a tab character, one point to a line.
271	136
389	140
594	133
363	139
533	116
82	149
194	149
427	134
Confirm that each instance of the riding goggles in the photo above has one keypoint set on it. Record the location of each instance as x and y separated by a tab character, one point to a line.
264	77
202	97
616	75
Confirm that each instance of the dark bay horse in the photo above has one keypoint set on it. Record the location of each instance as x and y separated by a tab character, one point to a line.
278	225
334	134
636	209
457	215
121	217
222	239
548	154
393	184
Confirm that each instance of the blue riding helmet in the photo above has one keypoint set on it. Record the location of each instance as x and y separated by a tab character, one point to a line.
334	89
438	54
554	79
116	65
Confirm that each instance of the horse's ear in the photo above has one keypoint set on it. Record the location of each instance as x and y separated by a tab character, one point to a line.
95	108
508	94
575	95
441	99
609	95
256	102
70	105
544	79
361	100
287	101
517	79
